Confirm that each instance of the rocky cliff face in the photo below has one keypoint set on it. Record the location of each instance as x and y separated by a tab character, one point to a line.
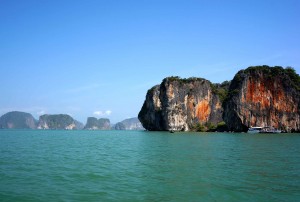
17	120
151	112
180	105
263	96
129	124
97	124
56	121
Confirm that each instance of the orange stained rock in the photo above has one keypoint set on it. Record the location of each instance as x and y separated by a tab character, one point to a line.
266	92
257	92
203	110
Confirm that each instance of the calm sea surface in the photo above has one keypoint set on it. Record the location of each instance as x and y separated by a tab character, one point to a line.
38	165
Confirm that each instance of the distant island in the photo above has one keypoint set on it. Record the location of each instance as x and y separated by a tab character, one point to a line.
17	120
257	96
23	120
129	124
97	124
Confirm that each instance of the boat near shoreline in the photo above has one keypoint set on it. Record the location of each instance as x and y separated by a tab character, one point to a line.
266	129
269	129
254	129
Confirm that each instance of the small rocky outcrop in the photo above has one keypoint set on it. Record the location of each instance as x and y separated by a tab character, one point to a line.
263	96
56	122
17	120
97	124
181	105
129	124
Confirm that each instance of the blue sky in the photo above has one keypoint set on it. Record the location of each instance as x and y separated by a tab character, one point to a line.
99	58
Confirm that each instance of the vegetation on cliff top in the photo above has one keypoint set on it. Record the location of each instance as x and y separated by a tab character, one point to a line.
295	78
221	90
271	72
183	80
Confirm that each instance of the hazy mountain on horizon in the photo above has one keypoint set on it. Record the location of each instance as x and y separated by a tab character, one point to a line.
97	124
129	124
17	120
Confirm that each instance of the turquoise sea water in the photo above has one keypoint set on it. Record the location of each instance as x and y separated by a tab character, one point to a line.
38	165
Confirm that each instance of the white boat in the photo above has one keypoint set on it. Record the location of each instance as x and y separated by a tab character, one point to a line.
269	129
254	129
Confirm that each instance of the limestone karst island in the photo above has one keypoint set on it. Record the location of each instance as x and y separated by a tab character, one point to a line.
259	96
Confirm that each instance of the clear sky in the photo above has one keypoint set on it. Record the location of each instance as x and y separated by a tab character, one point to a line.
99	58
